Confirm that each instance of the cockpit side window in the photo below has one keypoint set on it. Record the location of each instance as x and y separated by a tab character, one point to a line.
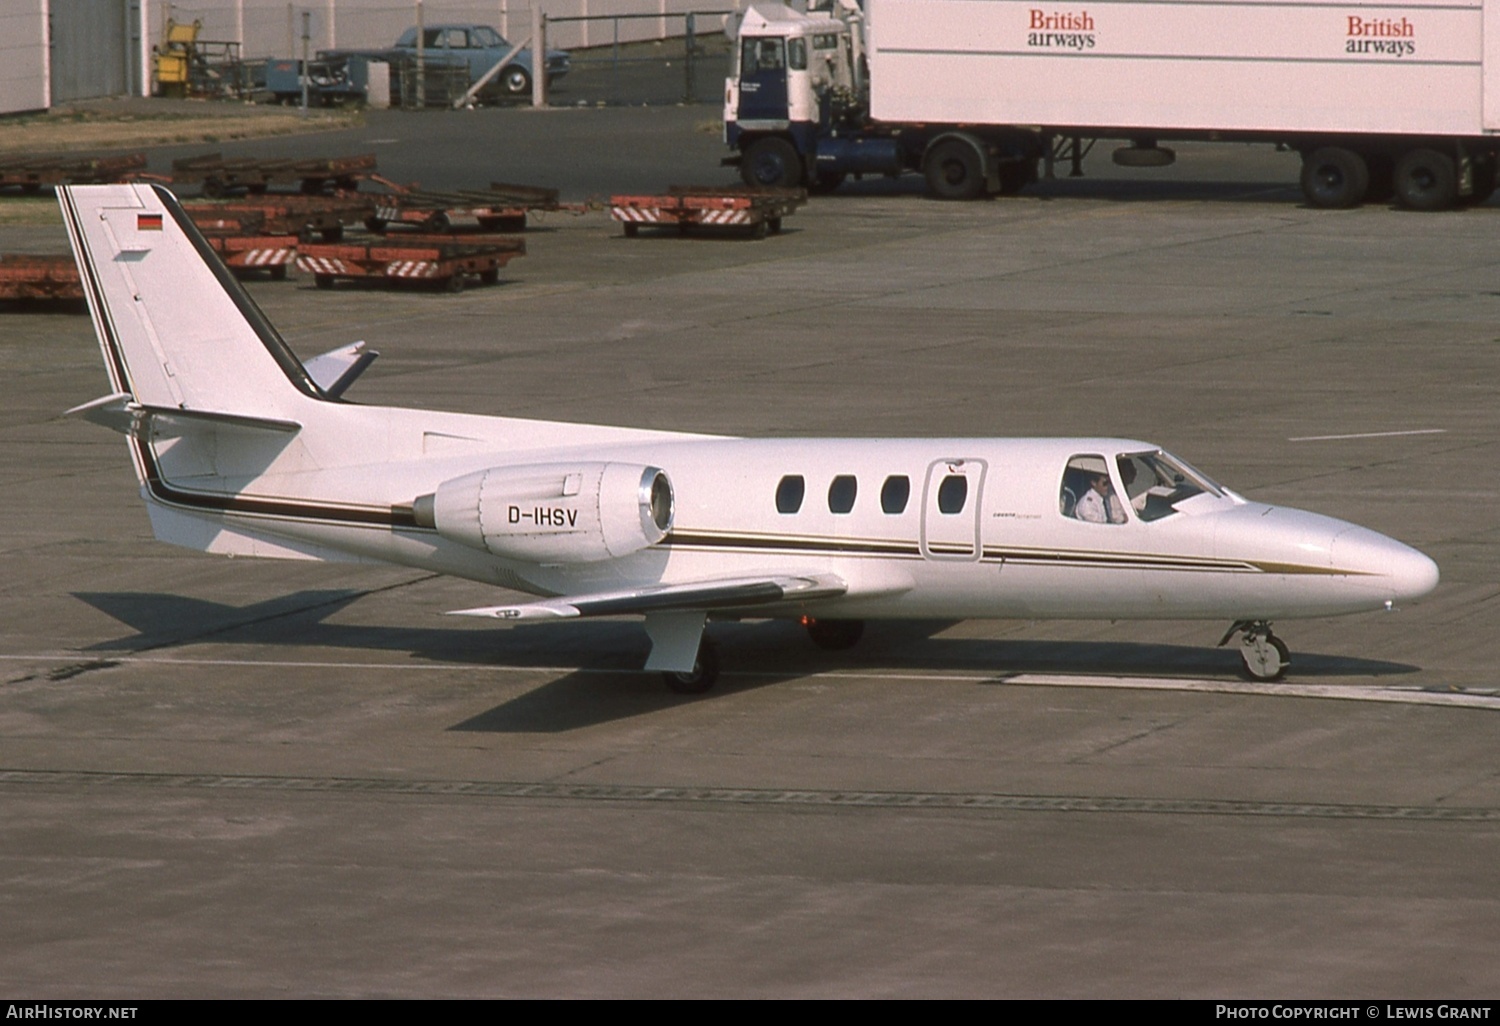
1156	482
1088	494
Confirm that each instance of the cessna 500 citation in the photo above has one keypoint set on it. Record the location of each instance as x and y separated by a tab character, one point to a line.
241	448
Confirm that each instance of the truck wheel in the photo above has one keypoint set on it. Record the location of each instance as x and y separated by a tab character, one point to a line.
517	82
954	171
1334	178
771	163
1426	180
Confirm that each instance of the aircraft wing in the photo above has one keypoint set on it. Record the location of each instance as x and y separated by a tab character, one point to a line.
720	593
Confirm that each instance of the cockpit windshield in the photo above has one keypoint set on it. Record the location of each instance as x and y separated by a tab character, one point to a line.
1156	483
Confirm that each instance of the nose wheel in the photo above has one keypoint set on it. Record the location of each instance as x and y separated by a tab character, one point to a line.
1263	656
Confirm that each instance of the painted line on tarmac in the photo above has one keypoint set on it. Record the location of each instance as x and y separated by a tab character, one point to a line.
1370	434
1398	694
604	793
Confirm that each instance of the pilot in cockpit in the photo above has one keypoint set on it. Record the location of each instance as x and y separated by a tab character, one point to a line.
1100	504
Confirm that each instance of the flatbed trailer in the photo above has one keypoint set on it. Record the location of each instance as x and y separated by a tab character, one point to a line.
313	175
244	254
503	208
444	262
708	206
243	240
47	276
32	173
287	214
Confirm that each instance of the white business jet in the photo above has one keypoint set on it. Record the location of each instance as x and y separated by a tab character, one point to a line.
243	449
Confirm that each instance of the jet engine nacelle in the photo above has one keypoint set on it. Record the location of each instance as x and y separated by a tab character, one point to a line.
555	512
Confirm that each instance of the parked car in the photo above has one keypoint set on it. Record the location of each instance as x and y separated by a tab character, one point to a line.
481	47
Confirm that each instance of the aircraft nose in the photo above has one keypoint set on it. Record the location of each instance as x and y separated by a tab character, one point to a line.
1406	573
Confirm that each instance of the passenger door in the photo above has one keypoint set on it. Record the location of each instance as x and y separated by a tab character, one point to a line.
950	509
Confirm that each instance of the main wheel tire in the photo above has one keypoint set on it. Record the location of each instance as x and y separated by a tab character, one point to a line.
1334	178
954	171
835	635
516	82
1264	659
701	677
1426	180
772	163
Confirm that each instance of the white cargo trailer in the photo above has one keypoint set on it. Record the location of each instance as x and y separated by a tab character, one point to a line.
1379	98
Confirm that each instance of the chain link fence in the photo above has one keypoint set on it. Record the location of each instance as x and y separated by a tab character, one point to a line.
624	52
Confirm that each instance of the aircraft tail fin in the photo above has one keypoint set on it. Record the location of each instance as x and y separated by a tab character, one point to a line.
177	331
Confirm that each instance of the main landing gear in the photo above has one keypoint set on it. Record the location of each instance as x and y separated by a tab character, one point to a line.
701	677
1263	656
832	635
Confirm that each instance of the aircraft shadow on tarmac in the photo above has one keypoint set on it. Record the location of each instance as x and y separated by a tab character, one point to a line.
608	653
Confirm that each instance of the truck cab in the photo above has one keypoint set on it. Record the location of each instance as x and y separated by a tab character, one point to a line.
797	111
796	79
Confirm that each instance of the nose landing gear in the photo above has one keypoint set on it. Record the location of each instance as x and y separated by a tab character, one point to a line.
1263	656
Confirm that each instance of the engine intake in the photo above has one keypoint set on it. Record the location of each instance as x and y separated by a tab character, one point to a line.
555	512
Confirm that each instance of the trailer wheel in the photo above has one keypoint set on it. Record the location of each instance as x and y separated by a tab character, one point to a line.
1334	178
771	163
333	234
323	281
1426	180
954	171
375	224
490	276
278	272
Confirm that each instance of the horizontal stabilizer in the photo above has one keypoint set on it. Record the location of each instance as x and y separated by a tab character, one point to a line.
724	593
119	412
335	370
